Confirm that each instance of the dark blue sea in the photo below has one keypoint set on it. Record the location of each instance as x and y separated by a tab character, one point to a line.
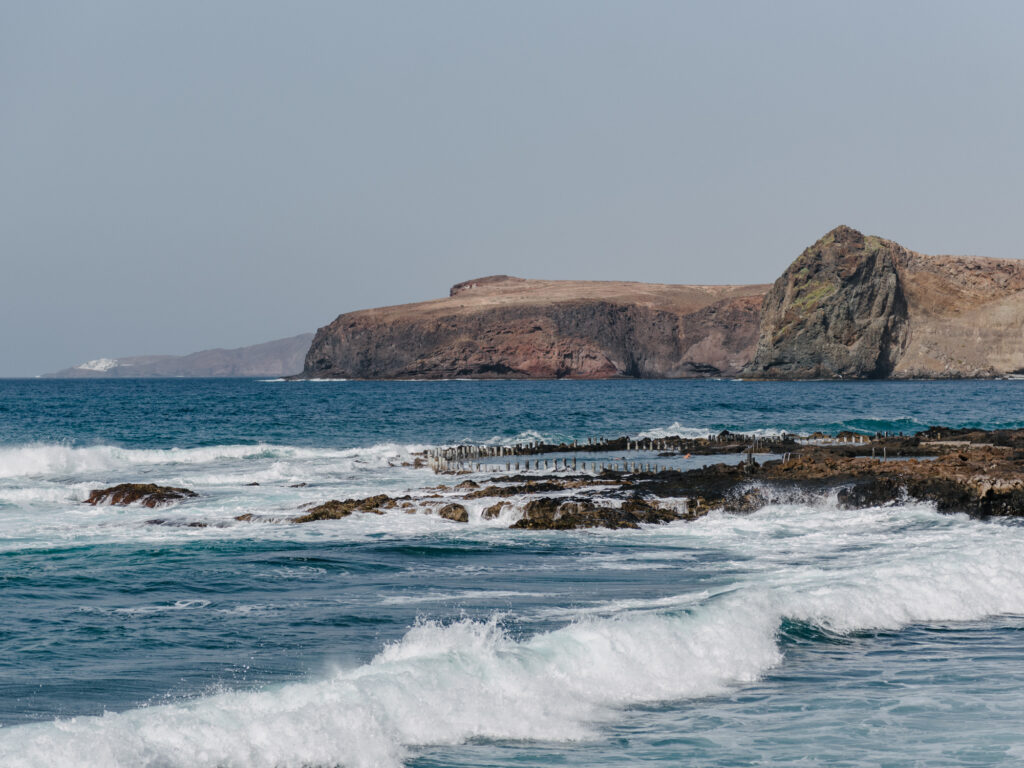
799	635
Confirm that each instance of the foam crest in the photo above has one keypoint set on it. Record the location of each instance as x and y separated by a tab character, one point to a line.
448	683
49	459
441	684
695	433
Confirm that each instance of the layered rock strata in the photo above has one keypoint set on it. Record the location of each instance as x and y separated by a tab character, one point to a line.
506	327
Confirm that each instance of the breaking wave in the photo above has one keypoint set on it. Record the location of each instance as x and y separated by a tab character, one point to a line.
448	683
47	459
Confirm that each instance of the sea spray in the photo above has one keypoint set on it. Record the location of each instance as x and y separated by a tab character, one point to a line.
445	683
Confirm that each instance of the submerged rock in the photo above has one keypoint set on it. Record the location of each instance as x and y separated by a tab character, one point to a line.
146	494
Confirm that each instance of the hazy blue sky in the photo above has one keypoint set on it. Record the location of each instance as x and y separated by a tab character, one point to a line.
182	175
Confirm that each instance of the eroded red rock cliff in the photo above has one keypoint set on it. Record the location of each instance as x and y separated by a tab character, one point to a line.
507	327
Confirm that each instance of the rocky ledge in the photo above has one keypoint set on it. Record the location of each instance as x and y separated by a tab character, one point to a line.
974	472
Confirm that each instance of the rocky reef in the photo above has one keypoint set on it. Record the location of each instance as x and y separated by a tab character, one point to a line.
973	472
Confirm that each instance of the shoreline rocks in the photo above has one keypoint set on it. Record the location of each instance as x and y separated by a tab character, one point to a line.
146	494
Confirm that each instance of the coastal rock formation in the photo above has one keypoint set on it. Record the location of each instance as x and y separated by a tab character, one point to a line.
282	357
971	471
507	327
335	510
856	306
837	311
146	494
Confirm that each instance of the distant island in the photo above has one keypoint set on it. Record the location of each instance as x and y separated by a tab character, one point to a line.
850	306
281	357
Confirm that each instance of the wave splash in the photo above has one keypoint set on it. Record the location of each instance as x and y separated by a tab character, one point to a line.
447	683
49	459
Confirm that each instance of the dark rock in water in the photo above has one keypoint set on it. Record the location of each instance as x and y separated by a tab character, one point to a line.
493	511
178	523
530	486
563	514
146	494
334	510
455	512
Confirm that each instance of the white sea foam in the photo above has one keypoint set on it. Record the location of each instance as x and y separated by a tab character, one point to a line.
446	683
48	459
695	433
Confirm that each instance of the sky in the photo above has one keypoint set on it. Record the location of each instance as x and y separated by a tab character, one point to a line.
187	175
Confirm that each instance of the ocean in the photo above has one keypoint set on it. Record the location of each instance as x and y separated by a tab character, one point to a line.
801	634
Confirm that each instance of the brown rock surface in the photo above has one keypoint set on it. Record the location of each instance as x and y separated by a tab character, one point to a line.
146	494
513	328
856	306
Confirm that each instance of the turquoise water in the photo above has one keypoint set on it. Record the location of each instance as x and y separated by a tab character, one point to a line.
801	634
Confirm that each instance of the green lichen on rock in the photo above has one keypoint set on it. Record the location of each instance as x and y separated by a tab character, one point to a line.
838	312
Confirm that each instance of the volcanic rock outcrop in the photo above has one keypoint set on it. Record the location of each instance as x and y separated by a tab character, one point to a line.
851	306
507	327
146	494
856	306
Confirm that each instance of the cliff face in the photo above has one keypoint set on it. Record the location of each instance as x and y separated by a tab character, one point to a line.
851	306
837	311
513	328
855	306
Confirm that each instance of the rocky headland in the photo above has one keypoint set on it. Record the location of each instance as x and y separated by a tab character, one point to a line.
507	327
850	306
856	306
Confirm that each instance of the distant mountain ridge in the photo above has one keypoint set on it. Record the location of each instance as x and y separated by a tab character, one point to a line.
281	357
